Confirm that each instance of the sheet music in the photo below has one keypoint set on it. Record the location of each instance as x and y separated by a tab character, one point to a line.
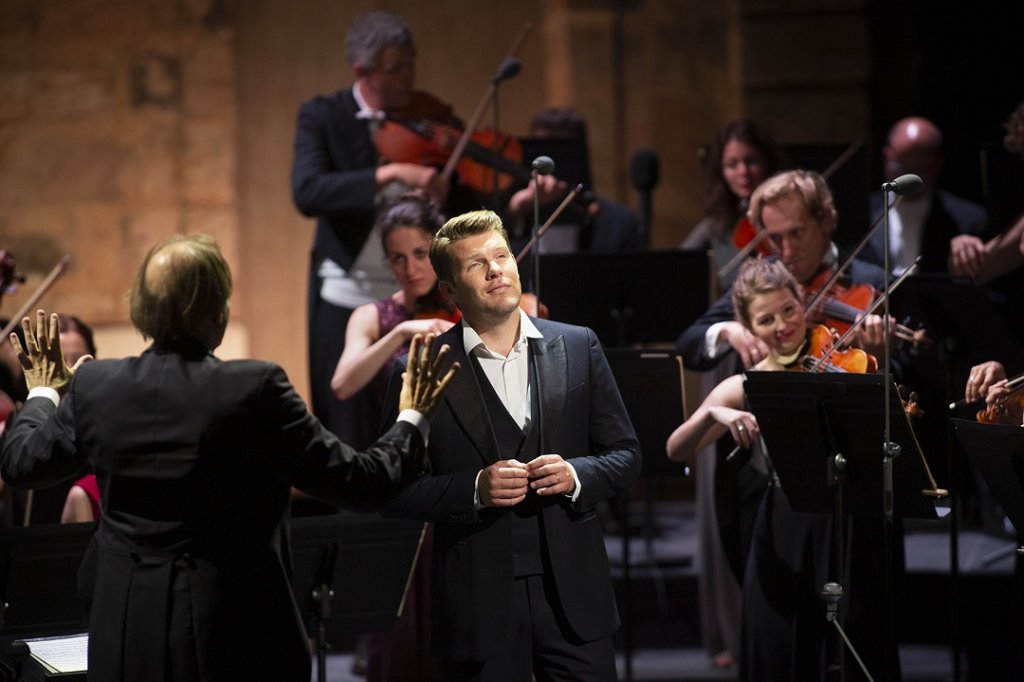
62	654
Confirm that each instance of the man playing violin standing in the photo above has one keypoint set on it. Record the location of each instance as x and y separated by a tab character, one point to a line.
336	179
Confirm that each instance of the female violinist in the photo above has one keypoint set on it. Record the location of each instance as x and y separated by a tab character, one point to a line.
783	631
741	158
378	333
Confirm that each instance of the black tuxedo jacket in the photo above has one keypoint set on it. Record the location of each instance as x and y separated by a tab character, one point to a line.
582	419
195	458
334	175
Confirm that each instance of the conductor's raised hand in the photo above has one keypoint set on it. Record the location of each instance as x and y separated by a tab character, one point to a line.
424	380
503	484
41	358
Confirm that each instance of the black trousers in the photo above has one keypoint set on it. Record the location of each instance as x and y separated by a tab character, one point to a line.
540	644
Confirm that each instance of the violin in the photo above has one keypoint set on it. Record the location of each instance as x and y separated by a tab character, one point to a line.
745	234
839	307
426	133
822	353
435	305
1009	409
747	238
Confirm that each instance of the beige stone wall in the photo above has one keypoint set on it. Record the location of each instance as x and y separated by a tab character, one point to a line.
118	127
124	121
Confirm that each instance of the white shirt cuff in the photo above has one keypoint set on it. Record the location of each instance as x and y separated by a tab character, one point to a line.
576	479
44	392
712	348
417	419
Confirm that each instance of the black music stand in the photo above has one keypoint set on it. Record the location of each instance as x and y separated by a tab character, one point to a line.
351	572
833	461
642	297
966	330
652	390
38	578
39	591
998	451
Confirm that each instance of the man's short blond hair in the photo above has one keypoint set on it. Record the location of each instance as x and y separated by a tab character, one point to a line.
460	227
808	186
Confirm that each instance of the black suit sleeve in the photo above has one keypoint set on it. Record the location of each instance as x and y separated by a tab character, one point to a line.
320	464
39	448
326	178
690	344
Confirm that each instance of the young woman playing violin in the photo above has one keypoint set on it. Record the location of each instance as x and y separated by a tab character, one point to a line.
768	303
379	333
784	631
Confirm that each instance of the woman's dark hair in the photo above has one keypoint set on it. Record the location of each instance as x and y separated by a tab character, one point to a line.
721	202
409	210
70	323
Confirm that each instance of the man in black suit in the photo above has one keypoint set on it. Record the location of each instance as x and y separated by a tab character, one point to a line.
337	180
195	458
947	231
522	448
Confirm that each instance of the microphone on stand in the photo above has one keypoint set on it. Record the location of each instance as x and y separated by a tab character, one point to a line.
643	175
542	165
507	69
905	185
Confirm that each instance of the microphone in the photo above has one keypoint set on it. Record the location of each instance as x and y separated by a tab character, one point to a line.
507	69
905	185
643	169
543	165
643	175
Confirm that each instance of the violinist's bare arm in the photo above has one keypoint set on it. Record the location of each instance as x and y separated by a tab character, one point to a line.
720	413
366	351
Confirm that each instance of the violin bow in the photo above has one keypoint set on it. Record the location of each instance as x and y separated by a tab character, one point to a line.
742	254
57	271
870	309
849	259
547	223
481	109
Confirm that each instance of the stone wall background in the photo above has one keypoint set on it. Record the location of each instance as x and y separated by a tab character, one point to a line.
125	121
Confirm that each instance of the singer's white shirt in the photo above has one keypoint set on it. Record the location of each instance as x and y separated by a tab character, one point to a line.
509	376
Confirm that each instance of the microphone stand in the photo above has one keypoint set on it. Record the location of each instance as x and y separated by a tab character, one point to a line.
890	450
507	69
535	236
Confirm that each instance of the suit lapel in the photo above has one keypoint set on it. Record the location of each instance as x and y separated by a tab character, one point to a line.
553	373
466	403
